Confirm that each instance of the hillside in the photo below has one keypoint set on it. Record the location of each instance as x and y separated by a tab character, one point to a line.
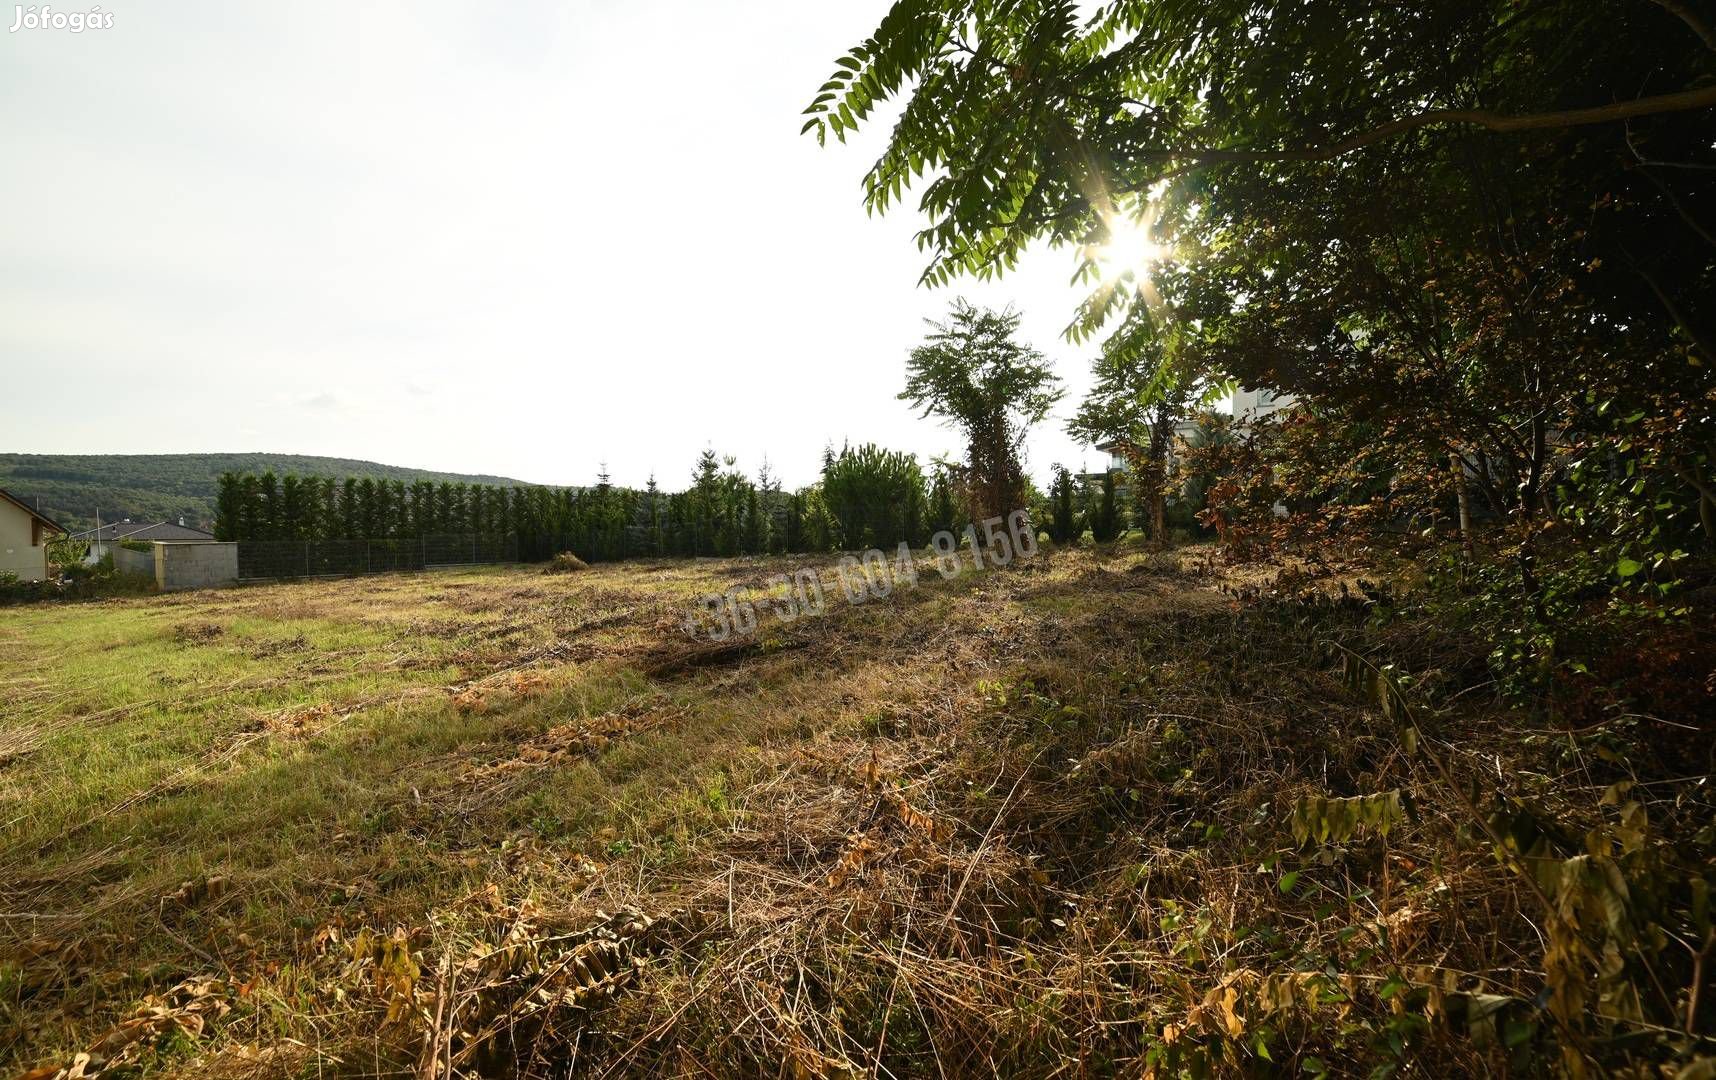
72	487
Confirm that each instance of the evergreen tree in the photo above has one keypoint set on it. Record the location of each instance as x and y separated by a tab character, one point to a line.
291	508
459	510
328	520
268	495
705	499
876	496
768	509
365	513
381	525
250	509
754	533
522	523
399	516
350	526
943	513
229	501
795	538
1065	526
652	517
1106	521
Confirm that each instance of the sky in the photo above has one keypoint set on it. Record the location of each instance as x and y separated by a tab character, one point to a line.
522	239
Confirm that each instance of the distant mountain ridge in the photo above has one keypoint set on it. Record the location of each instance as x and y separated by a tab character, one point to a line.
70	488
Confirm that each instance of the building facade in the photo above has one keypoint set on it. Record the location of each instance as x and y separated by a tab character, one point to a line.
24	536
1244	406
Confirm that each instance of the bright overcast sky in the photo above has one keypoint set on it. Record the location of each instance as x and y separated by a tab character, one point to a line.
518	238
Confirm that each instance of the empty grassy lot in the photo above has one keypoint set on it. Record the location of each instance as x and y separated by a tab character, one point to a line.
501	822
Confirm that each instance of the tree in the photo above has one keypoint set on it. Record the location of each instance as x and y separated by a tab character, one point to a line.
381	511
1034	123
229	501
1476	229
875	495
704	499
328	516
652	518
1106	521
794	529
1138	397
943	510
1065	523
250	516
772	503
292	508
973	374
269	507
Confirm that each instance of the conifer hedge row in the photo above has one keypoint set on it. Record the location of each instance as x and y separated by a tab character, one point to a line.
867	497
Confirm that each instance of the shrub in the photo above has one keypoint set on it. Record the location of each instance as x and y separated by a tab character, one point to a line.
78	583
876	496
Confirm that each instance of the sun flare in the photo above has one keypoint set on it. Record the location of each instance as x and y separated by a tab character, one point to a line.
1131	249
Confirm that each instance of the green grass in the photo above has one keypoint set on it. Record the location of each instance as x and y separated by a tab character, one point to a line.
306	743
987	824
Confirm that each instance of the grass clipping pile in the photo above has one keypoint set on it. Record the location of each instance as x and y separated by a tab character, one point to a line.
1204	840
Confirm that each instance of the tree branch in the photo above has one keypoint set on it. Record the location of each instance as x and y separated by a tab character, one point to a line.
1674	311
1685	15
1600	114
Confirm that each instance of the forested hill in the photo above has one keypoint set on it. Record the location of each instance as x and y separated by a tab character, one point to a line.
72	487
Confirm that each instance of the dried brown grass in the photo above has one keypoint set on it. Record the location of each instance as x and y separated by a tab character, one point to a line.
1033	823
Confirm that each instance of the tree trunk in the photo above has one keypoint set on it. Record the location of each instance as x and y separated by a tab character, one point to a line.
1464	500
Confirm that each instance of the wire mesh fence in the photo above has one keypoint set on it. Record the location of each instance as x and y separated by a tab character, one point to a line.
267	559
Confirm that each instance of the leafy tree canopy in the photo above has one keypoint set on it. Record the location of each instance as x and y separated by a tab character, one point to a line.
972	372
1025	123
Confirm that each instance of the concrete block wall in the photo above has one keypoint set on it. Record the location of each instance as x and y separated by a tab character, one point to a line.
127	561
195	565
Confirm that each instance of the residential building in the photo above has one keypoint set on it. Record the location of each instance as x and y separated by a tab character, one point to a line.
24	535
101	541
1244	406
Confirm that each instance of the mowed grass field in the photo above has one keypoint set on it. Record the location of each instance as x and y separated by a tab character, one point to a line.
197	784
503	822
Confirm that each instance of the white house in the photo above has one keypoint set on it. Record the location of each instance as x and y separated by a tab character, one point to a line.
1243	406
24	535
1256	404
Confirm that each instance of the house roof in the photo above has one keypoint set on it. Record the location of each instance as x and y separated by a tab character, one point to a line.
7	496
143	530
